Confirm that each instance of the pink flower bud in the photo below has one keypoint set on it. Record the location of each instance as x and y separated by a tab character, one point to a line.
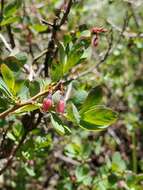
95	41
97	30
121	184
60	106
47	104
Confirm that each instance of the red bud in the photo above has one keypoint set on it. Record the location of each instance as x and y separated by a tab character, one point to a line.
97	30
60	106
95	41
47	104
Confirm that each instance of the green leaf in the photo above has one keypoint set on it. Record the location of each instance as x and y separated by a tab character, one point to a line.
11	136
62	54
99	115
39	27
118	164
57	124
82	173
91	127
56	71
73	114
94	97
3	122
43	142
72	150
16	60
4	89
19	84
17	130
12	63
8	76
79	97
73	59
30	171
9	20
21	57
27	108
10	9
34	88
57	66
56	96
3	103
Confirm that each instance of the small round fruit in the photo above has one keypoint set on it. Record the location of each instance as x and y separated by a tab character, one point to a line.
47	104
60	106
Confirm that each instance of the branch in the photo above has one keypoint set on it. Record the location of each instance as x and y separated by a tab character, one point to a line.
135	16
65	16
28	126
125	33
30	101
50	48
40	55
125	25
3	137
63	20
5	43
66	159
55	27
13	153
11	37
108	50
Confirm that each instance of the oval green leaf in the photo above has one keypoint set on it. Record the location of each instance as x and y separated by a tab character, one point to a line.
99	115
94	97
57	124
27	108
91	126
8	76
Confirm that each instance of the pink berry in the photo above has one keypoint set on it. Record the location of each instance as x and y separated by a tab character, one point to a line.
47	104
60	106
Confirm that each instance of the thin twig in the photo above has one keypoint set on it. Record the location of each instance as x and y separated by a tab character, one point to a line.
136	19
107	52
65	16
3	137
40	55
5	43
66	159
51	47
11	36
125	33
125	24
46	22
68	93
52	43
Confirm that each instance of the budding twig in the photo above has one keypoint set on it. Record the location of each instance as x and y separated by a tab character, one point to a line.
28	102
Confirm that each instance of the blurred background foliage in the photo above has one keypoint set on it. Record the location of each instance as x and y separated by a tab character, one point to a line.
106	160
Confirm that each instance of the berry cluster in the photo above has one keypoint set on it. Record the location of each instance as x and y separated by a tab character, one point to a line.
48	104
